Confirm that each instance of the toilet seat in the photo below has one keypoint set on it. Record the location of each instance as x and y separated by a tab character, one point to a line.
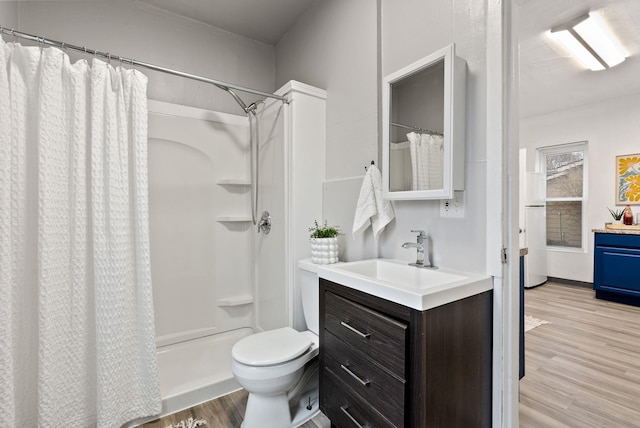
271	347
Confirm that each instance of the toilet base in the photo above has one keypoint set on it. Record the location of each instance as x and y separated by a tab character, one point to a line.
290	409
267	411
294	413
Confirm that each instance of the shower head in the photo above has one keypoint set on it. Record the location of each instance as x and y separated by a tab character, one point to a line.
253	106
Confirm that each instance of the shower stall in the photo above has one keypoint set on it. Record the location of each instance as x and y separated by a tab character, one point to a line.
215	280
216	277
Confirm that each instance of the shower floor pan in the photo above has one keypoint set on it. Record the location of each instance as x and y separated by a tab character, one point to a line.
197	370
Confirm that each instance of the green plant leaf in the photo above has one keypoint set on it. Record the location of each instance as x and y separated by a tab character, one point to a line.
616	214
324	231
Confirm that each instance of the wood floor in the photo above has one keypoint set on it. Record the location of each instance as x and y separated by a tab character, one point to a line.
224	412
583	369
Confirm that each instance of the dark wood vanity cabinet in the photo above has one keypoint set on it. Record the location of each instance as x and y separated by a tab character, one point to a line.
386	365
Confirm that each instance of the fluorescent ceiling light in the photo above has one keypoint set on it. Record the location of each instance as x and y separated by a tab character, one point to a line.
578	50
589	42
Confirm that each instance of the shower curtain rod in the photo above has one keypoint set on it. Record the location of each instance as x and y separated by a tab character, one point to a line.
415	128
222	85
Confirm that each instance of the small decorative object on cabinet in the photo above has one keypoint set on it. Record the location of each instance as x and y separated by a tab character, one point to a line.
627	218
616	266
616	214
383	364
324	243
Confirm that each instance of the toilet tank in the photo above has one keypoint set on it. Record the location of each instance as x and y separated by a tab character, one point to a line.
310	293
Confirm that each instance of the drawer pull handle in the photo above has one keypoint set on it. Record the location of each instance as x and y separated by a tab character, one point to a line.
355	376
355	330
345	410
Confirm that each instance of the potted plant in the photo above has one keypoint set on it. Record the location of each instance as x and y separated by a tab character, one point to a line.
324	243
617	214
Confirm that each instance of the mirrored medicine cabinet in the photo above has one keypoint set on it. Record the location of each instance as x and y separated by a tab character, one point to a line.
423	113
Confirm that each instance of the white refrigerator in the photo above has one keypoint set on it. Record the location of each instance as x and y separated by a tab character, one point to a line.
535	230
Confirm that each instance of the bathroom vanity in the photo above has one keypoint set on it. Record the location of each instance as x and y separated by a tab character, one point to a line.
385	364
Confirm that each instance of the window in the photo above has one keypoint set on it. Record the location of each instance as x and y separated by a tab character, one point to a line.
564	168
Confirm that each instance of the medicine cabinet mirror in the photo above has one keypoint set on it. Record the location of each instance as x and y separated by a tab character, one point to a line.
423	140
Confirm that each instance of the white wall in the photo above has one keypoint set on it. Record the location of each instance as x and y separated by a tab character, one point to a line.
133	30
8	13
335	46
410	31
609	133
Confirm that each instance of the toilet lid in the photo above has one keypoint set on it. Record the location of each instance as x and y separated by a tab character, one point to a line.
270	347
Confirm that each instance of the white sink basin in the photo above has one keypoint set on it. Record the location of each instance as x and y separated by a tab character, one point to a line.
400	272
395	280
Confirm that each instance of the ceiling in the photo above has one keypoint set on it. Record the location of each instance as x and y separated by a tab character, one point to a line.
550	80
263	20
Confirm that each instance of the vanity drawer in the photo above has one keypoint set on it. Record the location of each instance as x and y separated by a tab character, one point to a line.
382	390
373	333
346	409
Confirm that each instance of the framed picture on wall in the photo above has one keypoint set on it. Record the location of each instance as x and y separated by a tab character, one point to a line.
628	179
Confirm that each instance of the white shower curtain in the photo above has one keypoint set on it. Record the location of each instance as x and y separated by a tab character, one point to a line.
77	345
427	159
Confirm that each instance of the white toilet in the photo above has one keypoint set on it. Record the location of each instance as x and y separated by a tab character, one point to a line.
279	367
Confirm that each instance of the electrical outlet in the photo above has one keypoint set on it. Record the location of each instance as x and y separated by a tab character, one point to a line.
453	208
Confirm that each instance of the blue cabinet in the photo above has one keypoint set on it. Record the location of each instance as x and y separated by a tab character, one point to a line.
616	273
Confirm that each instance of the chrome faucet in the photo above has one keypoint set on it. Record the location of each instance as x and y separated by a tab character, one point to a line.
420	246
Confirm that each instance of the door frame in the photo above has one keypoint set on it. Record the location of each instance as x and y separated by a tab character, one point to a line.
502	255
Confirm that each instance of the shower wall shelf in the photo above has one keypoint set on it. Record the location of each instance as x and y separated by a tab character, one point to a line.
235	301
233	219
233	182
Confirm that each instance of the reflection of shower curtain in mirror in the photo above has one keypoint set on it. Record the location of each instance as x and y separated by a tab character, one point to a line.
426	161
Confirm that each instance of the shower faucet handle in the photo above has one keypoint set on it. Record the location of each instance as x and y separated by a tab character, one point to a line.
265	223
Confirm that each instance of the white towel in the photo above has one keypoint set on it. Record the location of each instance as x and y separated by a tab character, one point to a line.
372	209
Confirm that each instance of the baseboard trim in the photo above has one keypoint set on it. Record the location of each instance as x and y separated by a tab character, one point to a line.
571	282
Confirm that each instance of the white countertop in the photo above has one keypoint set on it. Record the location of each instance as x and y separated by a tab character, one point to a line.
437	287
